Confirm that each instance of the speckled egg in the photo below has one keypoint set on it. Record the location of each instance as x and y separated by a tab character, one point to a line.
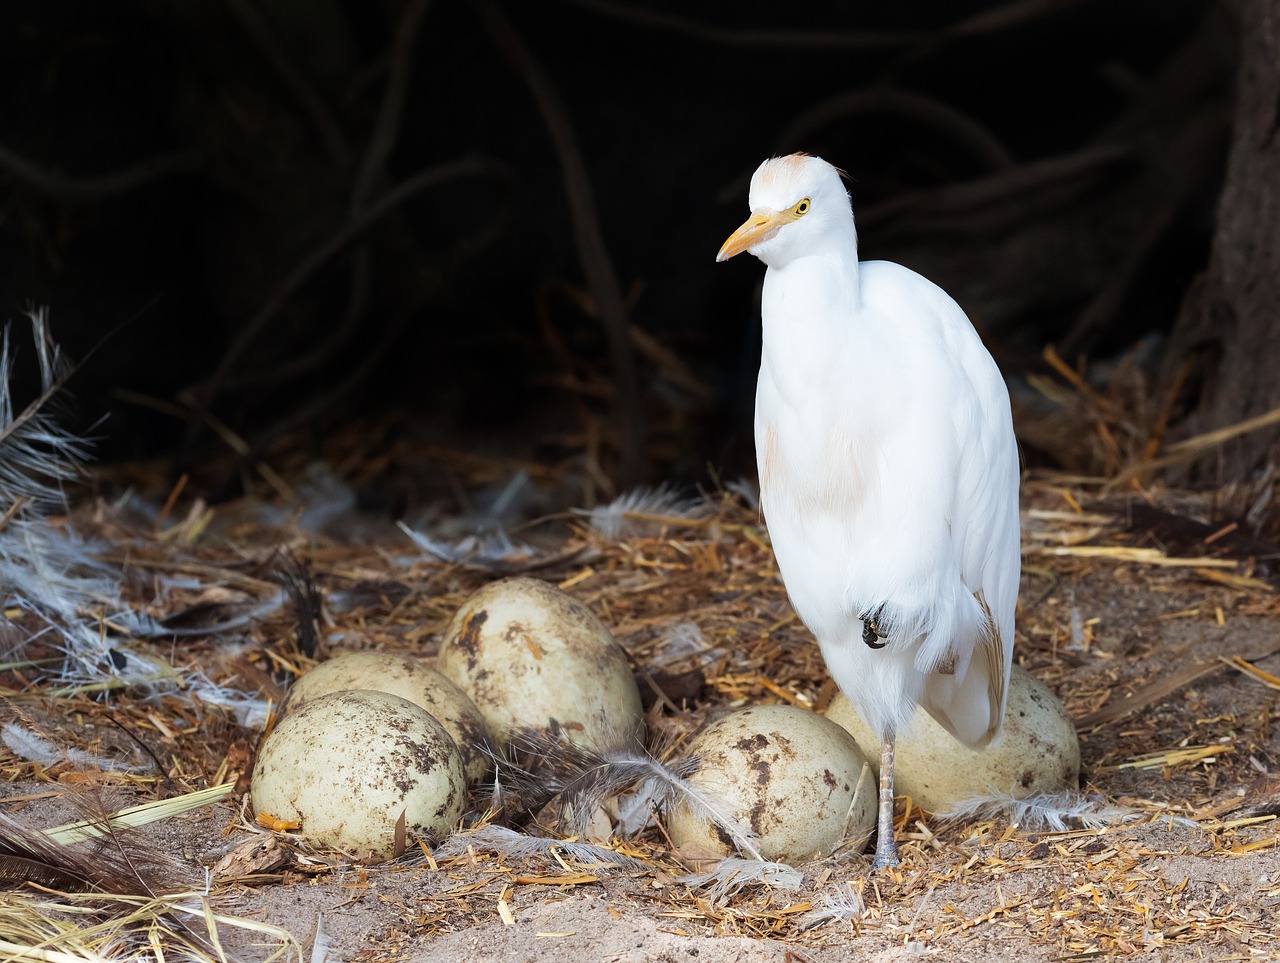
1038	752
346	765
530	655
791	777
410	679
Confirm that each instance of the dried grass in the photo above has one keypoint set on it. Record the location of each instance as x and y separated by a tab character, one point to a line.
694	593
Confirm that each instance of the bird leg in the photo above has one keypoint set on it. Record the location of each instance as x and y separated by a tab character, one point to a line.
886	850
871	631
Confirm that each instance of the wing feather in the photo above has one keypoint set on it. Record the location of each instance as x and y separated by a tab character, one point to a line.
985	530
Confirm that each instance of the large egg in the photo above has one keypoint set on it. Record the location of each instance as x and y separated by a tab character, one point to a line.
347	765
1038	752
530	655
791	777
410	679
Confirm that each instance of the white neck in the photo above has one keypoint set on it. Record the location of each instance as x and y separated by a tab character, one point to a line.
806	307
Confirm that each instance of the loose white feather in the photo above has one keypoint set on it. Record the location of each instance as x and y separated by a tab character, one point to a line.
518	845
748	489
490	551
249	710
325	498
539	769
322	945
682	640
263	609
730	876
29	745
46	569
845	905
37	456
1043	812
642	510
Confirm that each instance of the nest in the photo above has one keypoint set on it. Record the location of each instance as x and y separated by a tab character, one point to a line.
139	682
1173	706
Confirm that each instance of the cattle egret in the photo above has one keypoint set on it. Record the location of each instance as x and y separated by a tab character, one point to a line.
888	469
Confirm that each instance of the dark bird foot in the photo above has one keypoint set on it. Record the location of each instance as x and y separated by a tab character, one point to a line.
871	631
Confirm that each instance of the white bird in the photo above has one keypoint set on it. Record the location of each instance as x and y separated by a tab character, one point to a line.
888	469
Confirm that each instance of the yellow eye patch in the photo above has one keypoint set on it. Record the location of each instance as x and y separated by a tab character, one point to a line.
801	209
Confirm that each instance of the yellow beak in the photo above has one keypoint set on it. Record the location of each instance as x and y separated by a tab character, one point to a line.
757	229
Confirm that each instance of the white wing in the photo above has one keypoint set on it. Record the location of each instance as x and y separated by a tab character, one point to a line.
965	658
985	531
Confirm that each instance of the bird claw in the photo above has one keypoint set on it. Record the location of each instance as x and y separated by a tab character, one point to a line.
871	631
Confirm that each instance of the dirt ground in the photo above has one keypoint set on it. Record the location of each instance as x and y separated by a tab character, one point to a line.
1194	875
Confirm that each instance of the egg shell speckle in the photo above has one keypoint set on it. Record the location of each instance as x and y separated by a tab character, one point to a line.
346	765
530	655
786	774
410	679
1038	751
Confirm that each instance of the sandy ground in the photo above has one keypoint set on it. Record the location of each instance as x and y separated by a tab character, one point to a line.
1157	892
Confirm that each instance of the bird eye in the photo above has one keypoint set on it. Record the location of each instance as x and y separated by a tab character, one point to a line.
801	209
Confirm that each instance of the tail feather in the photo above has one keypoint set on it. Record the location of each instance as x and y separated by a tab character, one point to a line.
971	705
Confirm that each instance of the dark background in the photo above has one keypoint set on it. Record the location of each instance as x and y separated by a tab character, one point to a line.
166	168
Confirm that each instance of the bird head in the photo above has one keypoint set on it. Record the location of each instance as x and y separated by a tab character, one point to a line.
798	206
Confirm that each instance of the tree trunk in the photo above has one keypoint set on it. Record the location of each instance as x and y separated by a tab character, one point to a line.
1228	332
